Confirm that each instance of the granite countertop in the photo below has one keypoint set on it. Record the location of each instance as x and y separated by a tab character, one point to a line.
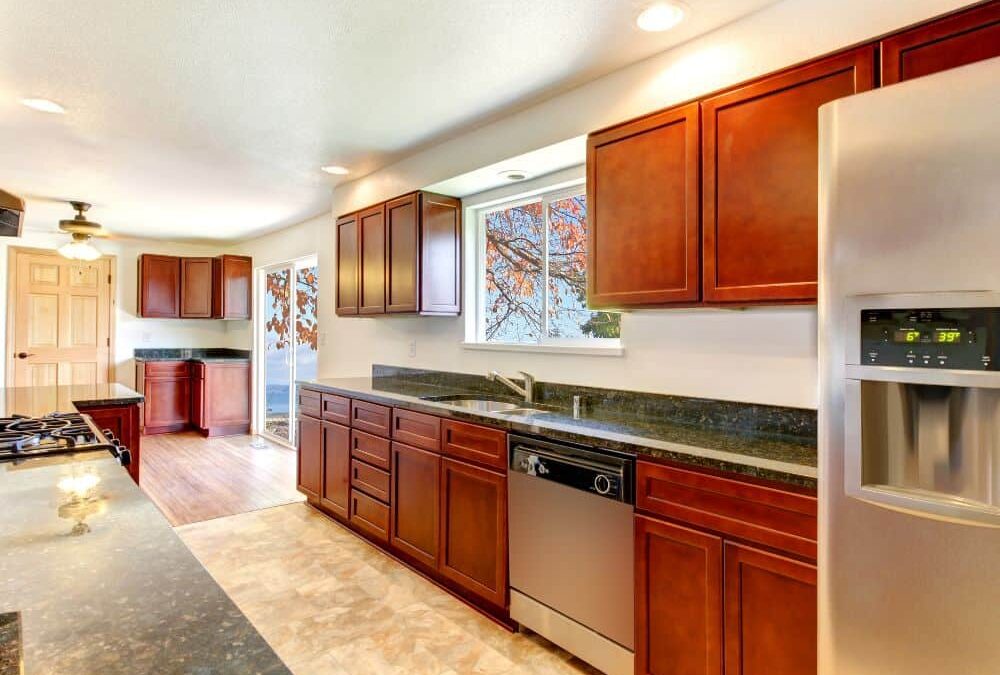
38	401
104	585
207	355
788	460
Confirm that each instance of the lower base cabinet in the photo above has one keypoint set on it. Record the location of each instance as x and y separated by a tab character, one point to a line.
124	421
415	526
310	460
335	493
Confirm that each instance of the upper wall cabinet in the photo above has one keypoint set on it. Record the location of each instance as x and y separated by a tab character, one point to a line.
159	286
231	287
760	159
401	256
949	42
195	288
642	188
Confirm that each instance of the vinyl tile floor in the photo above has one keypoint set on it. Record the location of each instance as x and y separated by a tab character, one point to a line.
329	602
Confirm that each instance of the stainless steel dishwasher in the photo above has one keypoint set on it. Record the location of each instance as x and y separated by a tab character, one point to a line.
571	548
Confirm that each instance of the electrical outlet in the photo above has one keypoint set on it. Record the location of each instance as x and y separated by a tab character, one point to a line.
413	349
322	338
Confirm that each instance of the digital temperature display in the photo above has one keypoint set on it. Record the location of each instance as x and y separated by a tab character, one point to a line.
942	336
907	336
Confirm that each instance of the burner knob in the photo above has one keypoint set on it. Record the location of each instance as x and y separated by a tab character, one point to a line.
124	457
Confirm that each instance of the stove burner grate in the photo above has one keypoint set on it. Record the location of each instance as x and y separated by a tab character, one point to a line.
17	440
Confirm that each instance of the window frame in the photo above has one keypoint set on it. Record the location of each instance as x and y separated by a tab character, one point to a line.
476	338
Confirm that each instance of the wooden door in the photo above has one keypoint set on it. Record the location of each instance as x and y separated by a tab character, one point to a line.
348	265
473	538
678	600
159	286
310	460
414	503
336	488
231	295
59	320
196	288
770	609
948	42
372	225
760	176
402	230
441	254
642	200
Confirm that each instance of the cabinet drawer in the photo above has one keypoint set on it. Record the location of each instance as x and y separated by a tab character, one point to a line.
309	402
370	480
474	443
370	515
336	409
416	429
371	417
765	515
174	369
371	449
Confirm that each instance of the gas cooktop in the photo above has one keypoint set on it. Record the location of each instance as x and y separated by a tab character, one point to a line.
22	437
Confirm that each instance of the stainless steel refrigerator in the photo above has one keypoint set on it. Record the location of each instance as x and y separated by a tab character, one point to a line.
909	331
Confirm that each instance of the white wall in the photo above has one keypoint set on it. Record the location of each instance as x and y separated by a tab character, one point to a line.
132	332
758	355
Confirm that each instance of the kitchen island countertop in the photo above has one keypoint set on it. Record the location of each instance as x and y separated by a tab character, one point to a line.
38	401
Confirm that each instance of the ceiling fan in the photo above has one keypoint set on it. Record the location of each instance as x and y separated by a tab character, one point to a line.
82	231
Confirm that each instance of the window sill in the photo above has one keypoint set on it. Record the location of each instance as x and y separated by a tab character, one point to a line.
579	350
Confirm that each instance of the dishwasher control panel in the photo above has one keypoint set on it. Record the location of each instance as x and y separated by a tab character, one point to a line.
603	473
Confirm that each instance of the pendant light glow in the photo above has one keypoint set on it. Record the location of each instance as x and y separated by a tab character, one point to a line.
44	105
80	249
660	17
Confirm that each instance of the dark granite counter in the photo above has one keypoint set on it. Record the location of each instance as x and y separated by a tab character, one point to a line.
102	582
209	355
37	401
785	458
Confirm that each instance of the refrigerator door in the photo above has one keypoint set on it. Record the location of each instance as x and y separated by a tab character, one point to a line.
909	203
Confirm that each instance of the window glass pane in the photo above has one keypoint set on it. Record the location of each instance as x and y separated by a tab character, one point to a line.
567	287
306	327
514	274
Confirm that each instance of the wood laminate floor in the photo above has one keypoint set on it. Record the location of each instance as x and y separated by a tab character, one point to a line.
329	602
191	478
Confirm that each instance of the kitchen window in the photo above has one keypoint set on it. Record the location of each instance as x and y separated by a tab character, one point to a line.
532	276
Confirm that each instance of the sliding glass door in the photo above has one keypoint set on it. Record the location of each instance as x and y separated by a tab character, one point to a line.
288	340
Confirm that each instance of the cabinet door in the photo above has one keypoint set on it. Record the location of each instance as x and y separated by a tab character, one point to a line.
441	254
123	422
414	502
372	226
642	195
196	288
348	265
310	461
770	606
198	416
227	398
474	530
168	403
760	176
232	287
949	42
336	489
678	600
159	286
403	241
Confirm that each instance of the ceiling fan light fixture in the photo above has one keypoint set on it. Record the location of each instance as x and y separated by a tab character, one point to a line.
80	248
81	230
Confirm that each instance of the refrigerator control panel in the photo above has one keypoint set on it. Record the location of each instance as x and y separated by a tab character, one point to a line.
957	339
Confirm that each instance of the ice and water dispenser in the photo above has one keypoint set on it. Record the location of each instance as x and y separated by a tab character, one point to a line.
922	404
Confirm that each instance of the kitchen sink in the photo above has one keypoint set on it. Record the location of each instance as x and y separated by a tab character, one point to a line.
488	404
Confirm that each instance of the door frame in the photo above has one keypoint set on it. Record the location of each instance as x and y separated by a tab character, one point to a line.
11	297
259	370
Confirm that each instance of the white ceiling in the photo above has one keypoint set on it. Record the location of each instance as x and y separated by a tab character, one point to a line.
209	119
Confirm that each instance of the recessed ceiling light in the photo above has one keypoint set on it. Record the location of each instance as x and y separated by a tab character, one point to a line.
44	105
513	174
336	170
660	17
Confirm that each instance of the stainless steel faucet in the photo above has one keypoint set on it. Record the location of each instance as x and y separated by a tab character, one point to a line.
527	391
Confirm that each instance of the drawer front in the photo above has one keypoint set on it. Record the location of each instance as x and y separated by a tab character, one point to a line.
336	409
174	369
764	515
370	480
371	449
474	443
371	417
309	402
370	515
416	429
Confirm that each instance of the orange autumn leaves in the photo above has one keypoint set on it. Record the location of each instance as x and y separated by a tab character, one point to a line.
306	297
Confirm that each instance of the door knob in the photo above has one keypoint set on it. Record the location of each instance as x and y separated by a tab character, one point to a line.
23	355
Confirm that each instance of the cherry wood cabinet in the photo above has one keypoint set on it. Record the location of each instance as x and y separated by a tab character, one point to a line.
310	460
348	265
159	286
414	503
474	443
760	160
402	227
232	287
642	195
416	429
440	255
947	42
221	398
196	288
473	539
678	600
124	422
167	388
370	515
372	258
335	491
